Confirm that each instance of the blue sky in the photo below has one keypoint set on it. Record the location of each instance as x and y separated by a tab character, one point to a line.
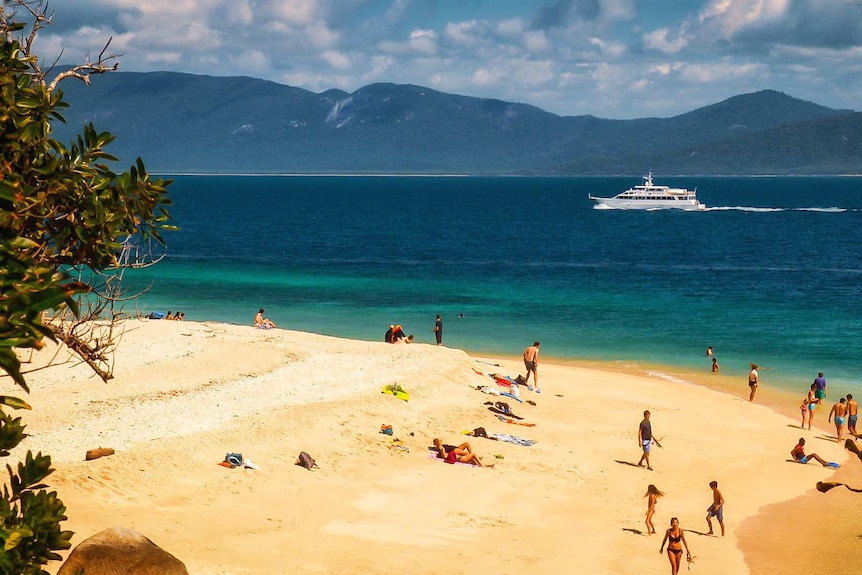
609	58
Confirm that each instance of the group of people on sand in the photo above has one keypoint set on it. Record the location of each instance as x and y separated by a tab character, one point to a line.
395	334
674	537
844	411
179	316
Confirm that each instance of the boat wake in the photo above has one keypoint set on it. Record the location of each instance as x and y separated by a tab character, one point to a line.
831	210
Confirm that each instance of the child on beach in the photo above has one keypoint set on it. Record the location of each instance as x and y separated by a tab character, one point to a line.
652	494
716	509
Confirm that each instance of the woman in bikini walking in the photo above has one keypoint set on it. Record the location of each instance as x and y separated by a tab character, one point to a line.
675	539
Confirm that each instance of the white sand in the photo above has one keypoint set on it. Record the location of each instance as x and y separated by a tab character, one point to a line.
186	393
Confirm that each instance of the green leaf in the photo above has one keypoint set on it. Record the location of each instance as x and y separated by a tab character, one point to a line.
14	402
16	536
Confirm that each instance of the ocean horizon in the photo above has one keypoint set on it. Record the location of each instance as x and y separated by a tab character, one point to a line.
769	273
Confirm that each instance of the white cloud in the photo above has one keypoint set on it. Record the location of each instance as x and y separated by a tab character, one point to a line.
729	17
336	59
535	41
423	42
661	40
299	12
608	49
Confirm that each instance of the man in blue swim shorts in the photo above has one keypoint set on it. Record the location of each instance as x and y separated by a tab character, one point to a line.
645	439
852	414
839	411
716	509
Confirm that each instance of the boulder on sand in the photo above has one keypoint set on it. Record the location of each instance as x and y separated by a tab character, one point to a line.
120	550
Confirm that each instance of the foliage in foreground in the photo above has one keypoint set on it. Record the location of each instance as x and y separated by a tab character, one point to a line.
61	209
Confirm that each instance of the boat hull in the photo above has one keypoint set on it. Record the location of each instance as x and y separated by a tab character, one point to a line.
620	204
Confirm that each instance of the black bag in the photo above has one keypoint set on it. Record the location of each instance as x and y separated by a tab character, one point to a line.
480	432
305	460
504	407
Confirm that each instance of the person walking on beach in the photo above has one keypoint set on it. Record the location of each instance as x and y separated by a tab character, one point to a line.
652	494
531	362
438	330
852	414
820	382
839	410
752	380
716	509
675	539
645	440
715	368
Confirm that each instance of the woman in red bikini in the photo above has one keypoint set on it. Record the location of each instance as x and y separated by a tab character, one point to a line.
675	539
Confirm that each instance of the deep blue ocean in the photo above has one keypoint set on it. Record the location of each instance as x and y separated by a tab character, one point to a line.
771	273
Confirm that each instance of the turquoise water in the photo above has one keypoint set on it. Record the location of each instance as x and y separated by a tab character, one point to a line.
770	273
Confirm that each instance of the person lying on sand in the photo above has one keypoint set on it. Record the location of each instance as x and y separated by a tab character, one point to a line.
463	453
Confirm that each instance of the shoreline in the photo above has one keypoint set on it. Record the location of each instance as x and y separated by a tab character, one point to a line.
193	391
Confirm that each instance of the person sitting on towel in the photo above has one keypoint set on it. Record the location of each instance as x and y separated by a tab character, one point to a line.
398	334
262	322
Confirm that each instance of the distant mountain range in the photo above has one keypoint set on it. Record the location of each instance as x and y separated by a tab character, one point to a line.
182	123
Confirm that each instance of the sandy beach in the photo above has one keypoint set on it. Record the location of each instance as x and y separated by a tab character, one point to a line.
186	394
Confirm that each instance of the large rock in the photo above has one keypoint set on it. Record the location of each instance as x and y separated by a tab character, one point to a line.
120	551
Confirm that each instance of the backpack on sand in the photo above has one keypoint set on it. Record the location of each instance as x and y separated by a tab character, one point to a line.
305	460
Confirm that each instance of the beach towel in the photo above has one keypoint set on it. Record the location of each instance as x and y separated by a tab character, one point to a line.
518	399
513	439
397	391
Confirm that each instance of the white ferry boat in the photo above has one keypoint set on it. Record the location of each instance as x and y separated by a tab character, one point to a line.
651	197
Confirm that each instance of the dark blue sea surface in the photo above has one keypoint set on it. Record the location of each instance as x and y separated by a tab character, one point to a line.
770	273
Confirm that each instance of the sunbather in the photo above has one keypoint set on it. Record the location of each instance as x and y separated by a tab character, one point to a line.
262	322
463	453
798	454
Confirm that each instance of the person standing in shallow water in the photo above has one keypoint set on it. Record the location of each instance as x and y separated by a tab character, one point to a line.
438	330
752	381
820	382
